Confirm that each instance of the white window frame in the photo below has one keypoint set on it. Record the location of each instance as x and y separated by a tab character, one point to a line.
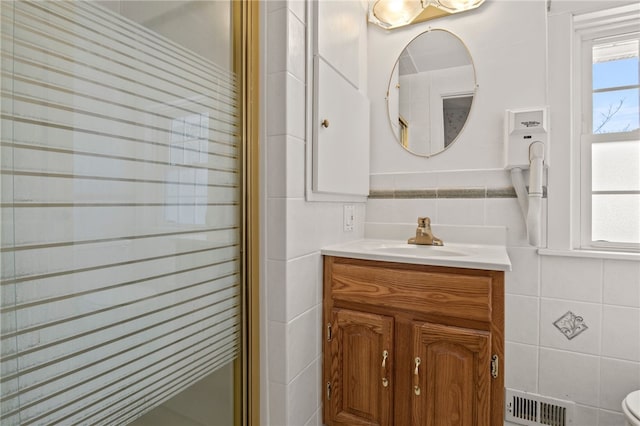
588	38
567	25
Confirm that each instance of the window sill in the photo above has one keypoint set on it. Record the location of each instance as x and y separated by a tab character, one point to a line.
595	254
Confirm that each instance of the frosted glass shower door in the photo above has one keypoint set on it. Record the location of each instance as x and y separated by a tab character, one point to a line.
121	210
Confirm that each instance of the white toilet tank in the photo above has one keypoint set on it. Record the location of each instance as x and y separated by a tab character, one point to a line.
631	408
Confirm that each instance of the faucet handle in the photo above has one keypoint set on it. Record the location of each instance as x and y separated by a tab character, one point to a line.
423	222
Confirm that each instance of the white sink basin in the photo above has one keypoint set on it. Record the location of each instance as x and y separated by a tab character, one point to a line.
419	250
475	256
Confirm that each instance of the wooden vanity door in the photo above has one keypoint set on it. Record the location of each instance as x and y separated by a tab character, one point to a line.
361	361
452	378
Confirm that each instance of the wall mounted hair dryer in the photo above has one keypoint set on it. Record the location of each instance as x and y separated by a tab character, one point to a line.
526	147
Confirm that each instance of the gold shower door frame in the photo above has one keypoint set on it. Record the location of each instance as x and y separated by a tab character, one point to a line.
246	64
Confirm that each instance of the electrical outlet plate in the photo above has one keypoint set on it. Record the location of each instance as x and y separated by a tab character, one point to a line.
349	217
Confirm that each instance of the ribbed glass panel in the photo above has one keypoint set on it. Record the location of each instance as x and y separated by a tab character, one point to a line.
120	216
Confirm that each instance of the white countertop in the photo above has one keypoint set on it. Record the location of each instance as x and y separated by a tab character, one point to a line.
457	255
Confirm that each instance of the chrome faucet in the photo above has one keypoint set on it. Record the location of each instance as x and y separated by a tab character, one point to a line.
424	235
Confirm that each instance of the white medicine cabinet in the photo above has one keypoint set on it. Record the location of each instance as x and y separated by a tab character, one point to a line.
338	162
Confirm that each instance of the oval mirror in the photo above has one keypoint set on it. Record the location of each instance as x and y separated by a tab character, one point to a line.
431	91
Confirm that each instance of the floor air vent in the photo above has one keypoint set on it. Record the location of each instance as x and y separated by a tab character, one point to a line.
530	409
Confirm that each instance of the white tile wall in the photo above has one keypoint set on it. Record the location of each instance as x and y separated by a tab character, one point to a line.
521	365
303	341
622	339
407	211
292	346
609	418
588	341
292	150
572	278
299	9
380	211
273	5
296	42
277	40
382	181
521	319
587	416
316	419
294	230
569	375
617	379
303	394
275	228
461	211
277	404
295	110
525	277
276	92
506	212
293	286
622	283
418	180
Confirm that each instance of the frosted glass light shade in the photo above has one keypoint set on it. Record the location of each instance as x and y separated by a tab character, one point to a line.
454	6
396	12
391	14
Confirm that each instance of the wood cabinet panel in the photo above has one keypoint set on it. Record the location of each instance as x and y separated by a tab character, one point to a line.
360	356
437	293
452	319
452	375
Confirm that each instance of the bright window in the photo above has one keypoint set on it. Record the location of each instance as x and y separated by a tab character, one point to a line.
610	153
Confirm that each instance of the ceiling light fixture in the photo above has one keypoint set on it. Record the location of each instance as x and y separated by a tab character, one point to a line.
397	13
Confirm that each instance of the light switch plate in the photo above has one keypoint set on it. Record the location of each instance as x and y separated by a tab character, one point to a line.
349	217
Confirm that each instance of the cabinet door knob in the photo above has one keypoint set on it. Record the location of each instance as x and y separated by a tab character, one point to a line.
385	355
325	123
418	361
385	382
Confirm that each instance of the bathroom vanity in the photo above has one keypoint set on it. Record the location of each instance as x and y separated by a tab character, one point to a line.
408	342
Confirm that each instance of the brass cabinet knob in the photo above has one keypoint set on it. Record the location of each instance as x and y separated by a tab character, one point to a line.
325	123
